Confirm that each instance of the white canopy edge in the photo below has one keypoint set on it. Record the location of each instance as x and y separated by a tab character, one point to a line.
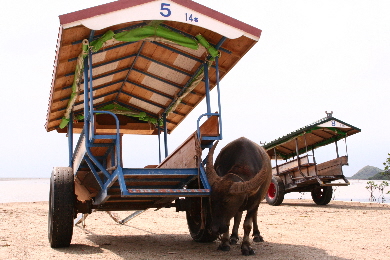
161	10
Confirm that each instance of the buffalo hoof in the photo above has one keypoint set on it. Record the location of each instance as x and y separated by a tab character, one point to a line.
224	248
258	239
234	240
247	251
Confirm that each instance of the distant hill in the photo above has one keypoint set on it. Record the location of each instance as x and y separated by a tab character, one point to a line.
380	176
366	172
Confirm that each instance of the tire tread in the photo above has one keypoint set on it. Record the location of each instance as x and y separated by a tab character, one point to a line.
61	207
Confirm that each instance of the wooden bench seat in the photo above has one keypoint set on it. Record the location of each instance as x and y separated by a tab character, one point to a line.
292	166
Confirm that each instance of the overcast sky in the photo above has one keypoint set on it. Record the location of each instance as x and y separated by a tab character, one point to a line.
312	57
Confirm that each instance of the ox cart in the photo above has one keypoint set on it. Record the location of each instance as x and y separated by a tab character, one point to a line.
300	171
139	68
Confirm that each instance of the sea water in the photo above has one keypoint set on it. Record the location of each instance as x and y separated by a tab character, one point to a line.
32	190
24	190
356	191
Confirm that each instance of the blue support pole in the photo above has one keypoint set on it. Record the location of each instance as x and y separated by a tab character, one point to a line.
165	135
159	141
86	97
207	86
70	139
90	74
90	90
219	44
86	88
219	95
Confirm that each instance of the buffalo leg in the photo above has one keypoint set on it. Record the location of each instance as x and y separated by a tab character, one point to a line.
224	246
245	246
234	235
256	232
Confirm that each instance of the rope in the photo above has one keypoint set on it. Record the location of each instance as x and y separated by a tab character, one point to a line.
77	79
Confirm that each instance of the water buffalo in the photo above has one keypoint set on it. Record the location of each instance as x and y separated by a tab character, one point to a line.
239	180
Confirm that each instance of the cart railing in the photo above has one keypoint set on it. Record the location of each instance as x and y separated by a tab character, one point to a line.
207	136
117	135
301	169
127	183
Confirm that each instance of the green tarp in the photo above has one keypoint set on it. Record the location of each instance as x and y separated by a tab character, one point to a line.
76	83
120	110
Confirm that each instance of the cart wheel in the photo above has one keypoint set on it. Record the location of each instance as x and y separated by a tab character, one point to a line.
322	195
199	227
61	207
200	232
275	194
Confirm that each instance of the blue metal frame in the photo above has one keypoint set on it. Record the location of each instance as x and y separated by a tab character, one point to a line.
107	175
219	93
159	141
70	139
165	134
207	86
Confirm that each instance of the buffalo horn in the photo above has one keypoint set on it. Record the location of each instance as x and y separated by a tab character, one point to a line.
212	175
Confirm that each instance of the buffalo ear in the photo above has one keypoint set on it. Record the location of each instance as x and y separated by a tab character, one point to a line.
212	175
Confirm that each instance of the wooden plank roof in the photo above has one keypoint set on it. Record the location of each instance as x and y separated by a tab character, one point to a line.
323	132
145	76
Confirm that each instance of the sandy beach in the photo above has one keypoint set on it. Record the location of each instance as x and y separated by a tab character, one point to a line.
298	229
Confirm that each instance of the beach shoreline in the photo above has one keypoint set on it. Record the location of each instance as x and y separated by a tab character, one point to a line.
37	189
298	229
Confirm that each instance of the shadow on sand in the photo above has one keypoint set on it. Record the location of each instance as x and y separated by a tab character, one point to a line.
181	246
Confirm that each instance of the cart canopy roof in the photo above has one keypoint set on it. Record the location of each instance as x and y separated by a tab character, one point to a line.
320	133
148	58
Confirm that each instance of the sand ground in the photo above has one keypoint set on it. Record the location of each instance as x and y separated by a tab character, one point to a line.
298	229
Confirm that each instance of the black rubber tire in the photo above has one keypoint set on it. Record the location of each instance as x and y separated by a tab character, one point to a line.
200	232
322	195
61	207
194	220
275	193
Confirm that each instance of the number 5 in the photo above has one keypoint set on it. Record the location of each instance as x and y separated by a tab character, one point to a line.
163	8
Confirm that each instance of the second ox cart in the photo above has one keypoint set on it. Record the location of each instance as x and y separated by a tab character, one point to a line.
296	168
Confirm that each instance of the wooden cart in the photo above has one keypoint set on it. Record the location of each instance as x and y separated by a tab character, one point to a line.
300	171
138	67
